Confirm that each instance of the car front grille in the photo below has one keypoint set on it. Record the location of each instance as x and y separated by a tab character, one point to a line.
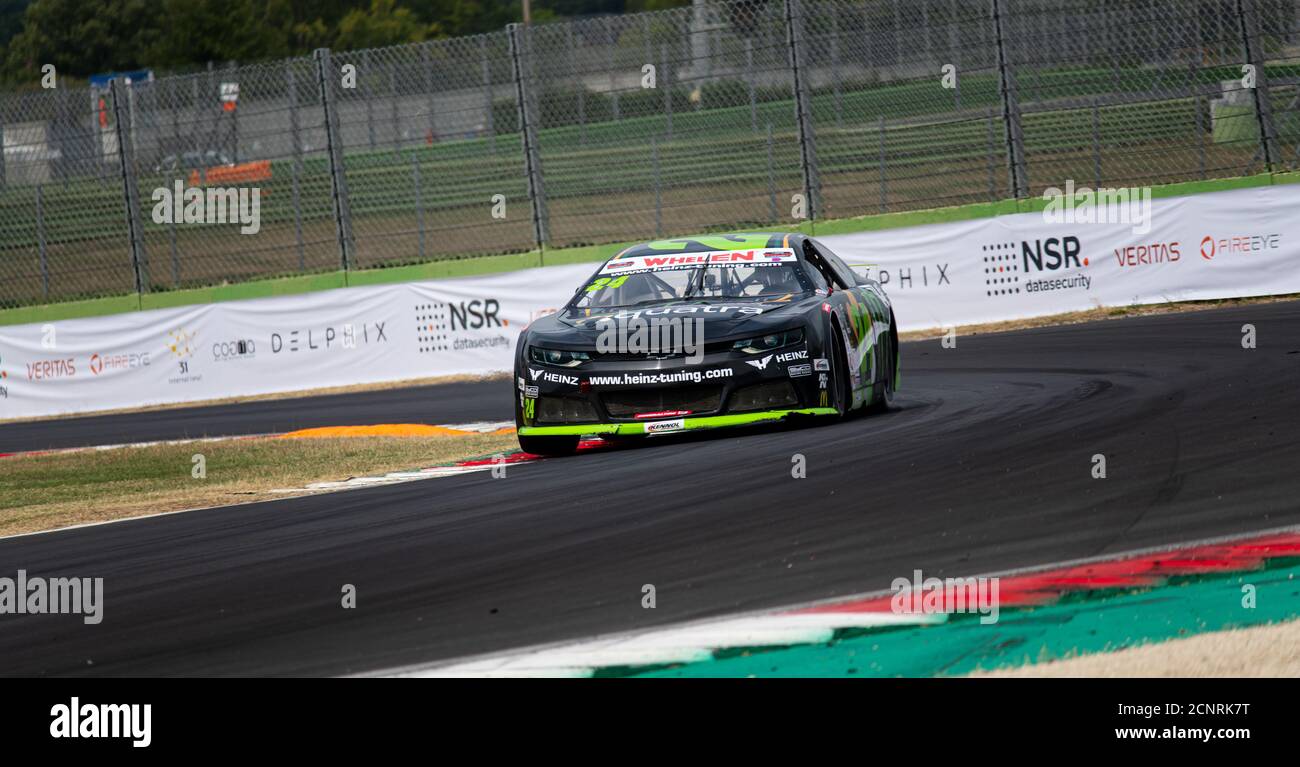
696	399
565	410
769	395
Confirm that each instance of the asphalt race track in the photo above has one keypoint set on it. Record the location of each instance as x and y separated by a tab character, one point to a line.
985	464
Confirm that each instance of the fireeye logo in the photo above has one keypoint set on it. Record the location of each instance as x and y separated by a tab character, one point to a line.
1242	243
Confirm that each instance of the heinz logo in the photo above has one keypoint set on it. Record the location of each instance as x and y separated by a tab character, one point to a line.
476	314
1052	253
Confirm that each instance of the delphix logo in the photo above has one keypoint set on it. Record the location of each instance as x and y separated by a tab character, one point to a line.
347	335
924	276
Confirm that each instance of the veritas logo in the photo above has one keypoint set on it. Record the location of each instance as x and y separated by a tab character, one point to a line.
1145	255
47	369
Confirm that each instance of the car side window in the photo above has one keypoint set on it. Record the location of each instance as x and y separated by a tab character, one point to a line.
814	257
816	277
842	270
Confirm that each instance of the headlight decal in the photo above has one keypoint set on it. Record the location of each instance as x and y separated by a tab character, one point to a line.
564	358
769	341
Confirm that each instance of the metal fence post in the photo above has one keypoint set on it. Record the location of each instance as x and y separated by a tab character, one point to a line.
419	203
884	170
835	68
488	112
1016	170
659	197
291	84
234	115
326	77
519	52
992	163
666	80
749	82
771	178
1096	144
295	169
40	242
1246	12
130	193
429	83
394	112
582	89
802	107
2	151
367	89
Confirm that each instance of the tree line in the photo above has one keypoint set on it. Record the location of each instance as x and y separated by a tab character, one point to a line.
85	37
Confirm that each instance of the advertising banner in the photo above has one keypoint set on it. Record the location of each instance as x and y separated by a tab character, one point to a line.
1222	245
290	343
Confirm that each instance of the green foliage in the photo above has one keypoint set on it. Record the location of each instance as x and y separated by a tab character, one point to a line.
85	37
382	24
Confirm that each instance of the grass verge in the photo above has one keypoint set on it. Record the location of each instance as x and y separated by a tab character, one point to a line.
52	490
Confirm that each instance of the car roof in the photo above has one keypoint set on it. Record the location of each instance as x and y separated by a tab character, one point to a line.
710	242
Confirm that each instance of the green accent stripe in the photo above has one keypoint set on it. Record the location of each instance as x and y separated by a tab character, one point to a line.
703	422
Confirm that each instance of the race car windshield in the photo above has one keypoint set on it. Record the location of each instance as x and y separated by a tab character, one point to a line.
729	281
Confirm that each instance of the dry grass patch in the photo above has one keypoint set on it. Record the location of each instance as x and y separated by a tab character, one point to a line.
42	492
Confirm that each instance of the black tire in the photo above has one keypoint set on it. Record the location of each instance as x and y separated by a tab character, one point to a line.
889	351
548	445
841	380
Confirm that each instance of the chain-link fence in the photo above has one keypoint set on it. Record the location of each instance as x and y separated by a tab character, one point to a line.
722	115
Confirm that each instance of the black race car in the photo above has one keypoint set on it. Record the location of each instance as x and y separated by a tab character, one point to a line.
705	332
